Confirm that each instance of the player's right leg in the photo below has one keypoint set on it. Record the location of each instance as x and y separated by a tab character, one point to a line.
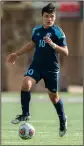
31	77
27	84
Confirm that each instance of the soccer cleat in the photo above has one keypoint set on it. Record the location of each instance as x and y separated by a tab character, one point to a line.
20	118
63	128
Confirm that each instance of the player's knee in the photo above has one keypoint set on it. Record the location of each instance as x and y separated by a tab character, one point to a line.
54	97
26	85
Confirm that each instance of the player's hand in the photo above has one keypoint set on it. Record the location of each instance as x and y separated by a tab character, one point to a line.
12	58
50	42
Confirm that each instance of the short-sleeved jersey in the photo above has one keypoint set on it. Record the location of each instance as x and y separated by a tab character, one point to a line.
45	57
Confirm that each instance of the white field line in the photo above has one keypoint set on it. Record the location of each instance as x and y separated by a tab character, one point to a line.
42	99
36	121
41	132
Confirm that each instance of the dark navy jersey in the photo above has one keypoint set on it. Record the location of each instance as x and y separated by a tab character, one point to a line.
45	57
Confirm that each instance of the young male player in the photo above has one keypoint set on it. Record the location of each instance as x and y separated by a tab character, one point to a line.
48	40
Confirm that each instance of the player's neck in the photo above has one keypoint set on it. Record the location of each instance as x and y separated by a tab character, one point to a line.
46	27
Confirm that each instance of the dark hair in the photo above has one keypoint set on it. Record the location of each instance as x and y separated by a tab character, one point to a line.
49	8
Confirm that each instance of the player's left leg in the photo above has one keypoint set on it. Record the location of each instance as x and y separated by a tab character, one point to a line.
58	104
51	82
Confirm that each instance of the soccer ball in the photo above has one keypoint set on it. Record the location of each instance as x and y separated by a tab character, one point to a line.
26	131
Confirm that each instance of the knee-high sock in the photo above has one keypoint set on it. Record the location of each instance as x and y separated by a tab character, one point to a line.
60	110
25	100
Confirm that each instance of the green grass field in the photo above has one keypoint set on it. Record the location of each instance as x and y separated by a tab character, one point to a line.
44	119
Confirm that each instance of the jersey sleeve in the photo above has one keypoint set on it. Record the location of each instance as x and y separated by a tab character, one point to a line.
62	42
33	35
61	37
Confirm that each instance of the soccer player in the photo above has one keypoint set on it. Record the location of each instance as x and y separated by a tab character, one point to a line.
48	40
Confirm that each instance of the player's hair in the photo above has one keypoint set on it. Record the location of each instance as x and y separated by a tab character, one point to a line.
49	8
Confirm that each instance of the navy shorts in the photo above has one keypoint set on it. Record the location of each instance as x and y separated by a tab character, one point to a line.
50	78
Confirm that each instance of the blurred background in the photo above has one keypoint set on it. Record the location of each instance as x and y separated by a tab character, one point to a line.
18	19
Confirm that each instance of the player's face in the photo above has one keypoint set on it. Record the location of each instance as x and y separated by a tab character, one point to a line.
48	19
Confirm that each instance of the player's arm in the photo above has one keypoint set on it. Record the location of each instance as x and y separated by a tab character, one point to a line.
60	49
28	47
14	56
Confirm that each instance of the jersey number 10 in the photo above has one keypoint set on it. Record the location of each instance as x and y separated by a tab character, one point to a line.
41	43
